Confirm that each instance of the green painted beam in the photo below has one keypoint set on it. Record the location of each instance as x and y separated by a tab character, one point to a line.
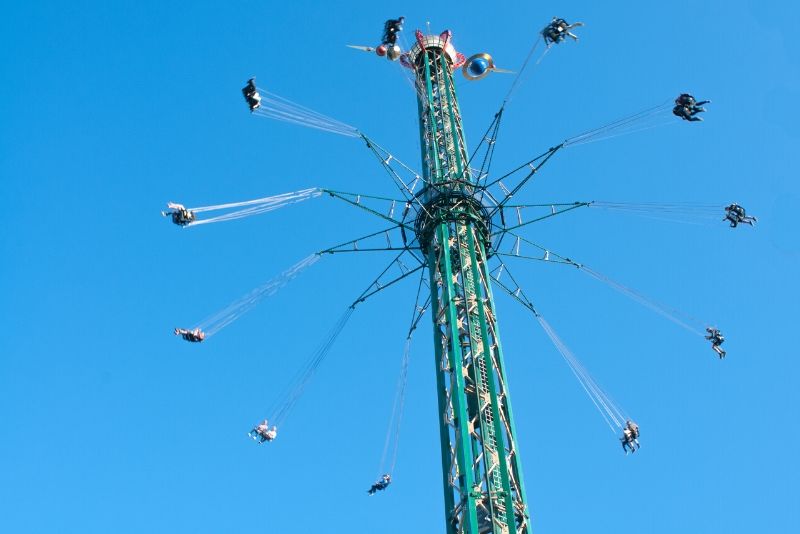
481	471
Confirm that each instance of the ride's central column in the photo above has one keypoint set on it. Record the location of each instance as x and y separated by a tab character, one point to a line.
481	470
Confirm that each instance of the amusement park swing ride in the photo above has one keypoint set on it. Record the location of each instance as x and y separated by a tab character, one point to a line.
452	227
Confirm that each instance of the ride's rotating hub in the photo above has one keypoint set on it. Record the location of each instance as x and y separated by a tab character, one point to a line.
450	206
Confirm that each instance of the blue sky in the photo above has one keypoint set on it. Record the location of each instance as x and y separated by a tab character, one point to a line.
109	110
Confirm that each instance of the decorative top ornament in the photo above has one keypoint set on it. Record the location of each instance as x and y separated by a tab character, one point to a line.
432	42
479	66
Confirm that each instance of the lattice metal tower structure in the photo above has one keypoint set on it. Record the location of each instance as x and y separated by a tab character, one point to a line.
481	469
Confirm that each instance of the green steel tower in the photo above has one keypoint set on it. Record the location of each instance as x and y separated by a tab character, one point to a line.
481	469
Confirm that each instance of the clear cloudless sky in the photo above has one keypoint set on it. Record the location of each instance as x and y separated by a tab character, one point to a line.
108	423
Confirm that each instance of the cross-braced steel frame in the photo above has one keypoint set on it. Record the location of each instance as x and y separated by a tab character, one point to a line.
481	469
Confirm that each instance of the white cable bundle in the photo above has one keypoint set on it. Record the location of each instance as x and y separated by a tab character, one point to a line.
239	307
253	207
613	415
279	108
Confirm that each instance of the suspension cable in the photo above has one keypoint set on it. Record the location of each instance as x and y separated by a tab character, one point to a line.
214	323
